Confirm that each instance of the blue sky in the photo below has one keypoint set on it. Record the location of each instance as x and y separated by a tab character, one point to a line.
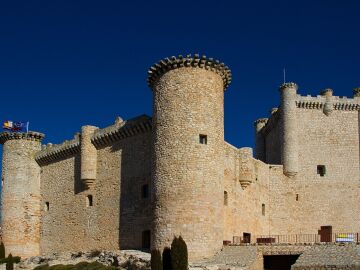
64	64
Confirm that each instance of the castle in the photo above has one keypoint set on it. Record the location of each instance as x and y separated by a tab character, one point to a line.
138	183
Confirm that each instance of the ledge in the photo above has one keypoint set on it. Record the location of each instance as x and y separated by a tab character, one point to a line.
163	66
31	136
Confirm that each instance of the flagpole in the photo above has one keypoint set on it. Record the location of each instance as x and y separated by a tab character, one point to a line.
27	127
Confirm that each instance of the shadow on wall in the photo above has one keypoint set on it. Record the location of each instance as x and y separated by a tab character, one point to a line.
135	198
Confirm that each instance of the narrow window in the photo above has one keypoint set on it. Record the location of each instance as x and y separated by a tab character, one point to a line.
89	200
145	191
225	198
47	206
297	197
146	239
321	170
203	139
263	209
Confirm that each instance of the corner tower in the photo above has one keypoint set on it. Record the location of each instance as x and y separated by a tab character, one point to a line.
188	138
21	209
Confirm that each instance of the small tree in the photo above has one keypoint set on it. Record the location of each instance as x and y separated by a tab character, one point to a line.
167	259
10	263
156	263
179	254
2	251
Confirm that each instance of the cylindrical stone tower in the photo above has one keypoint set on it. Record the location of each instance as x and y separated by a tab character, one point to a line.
290	153
188	150
260	146
21	207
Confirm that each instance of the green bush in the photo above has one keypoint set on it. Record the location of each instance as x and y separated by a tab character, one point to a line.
10	263
42	267
2	251
167	259
156	263
15	259
179	254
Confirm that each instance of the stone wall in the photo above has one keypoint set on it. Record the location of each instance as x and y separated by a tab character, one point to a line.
118	214
243	212
301	204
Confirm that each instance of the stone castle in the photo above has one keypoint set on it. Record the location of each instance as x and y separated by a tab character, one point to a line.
138	183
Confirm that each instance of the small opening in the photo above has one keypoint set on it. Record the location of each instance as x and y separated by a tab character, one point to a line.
89	200
203	139
297	197
246	237
225	198
321	170
47	206
146	236
145	191
263	209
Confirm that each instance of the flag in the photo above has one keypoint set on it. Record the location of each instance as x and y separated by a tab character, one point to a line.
16	126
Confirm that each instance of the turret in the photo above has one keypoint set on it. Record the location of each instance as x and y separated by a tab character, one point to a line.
88	156
21	193
328	106
289	151
260	151
246	168
188	150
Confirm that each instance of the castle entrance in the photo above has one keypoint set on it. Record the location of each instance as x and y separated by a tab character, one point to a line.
279	262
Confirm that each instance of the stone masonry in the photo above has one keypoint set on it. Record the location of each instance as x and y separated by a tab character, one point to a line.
139	182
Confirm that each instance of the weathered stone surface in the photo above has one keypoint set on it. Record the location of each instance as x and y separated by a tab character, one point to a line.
125	259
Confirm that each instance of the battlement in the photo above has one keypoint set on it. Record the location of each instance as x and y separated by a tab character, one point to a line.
318	102
31	136
121	130
50	152
102	137
163	66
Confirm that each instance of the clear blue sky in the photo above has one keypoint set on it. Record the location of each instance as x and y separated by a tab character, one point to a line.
64	64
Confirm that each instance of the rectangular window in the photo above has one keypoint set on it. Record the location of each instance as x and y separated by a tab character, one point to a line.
321	170
203	139
297	197
263	209
47	206
145	191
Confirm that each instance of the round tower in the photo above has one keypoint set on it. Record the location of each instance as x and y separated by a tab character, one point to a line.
289	153
21	193
188	138
260	147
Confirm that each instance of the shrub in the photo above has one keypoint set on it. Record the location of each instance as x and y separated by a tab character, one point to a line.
156	263
42	267
179	254
167	259
10	263
2	251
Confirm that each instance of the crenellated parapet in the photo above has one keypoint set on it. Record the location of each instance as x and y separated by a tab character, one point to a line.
31	136
53	152
100	137
121	130
319	102
163	66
